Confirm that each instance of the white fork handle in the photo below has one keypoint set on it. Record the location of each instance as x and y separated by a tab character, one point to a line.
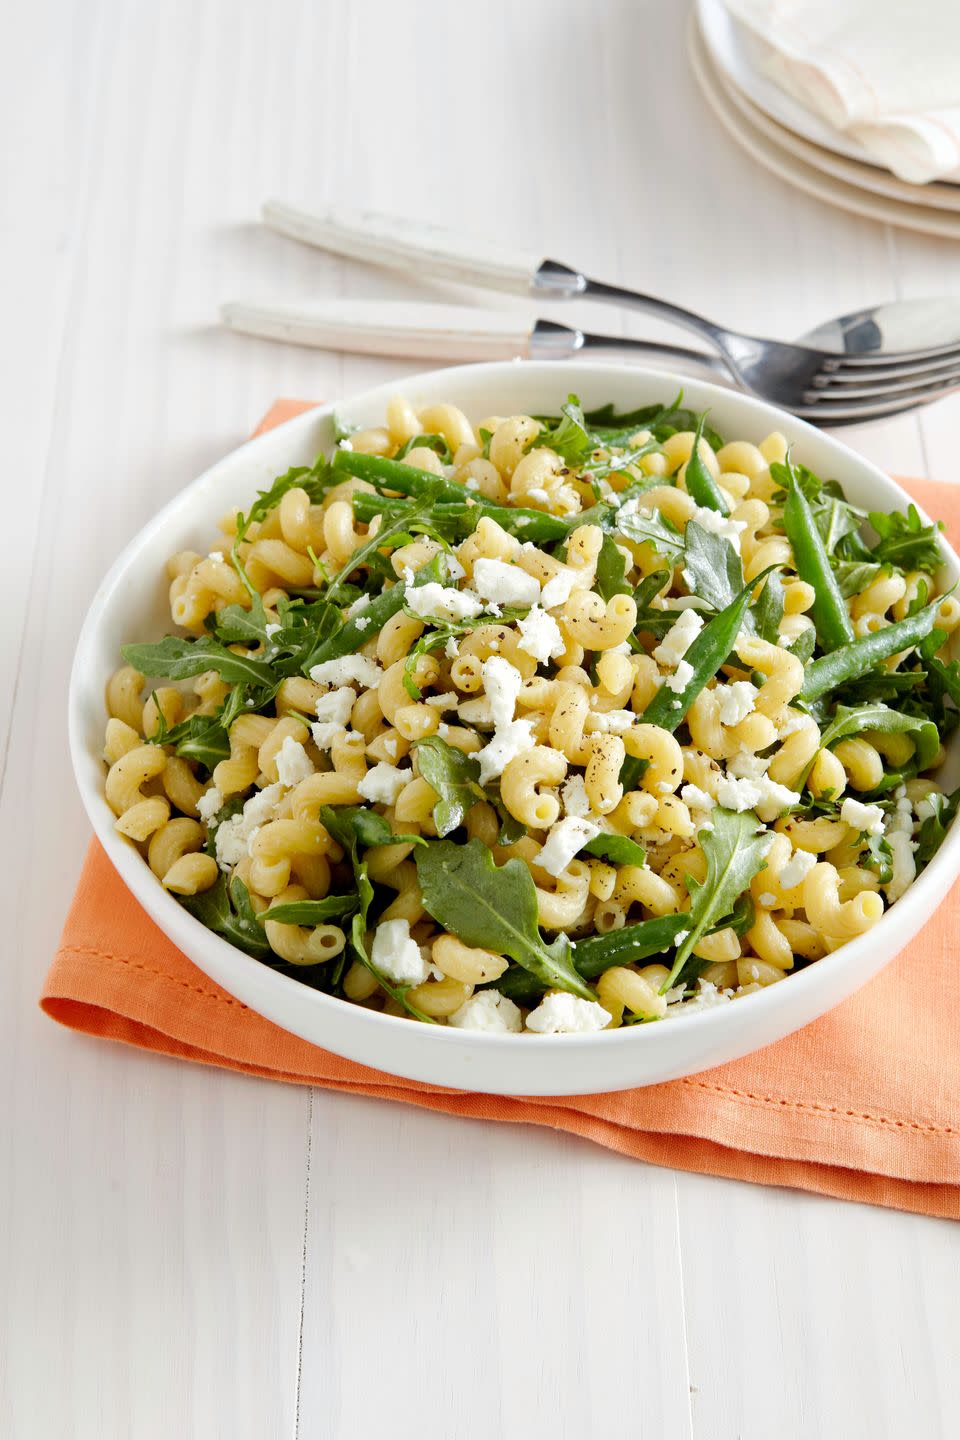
387	327
425	250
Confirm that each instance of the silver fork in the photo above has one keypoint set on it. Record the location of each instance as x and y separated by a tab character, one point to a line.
825	386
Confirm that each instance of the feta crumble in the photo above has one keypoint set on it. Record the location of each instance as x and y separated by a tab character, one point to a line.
234	835
397	954
442	602
502	683
564	840
762	794
679	638
346	669
210	804
382	784
719	524
573	793
333	713
736	701
508	742
504	584
681	677
558	588
562	1014
293	762
864	819
488	1011
797	869
540	636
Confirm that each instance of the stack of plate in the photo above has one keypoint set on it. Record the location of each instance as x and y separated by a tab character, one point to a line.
798	146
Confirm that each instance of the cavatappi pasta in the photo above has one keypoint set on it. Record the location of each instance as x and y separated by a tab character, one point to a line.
544	725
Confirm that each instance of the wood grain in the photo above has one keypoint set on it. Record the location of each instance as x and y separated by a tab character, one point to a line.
186	1252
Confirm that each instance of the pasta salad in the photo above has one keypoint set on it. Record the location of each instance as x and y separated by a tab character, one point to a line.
545	724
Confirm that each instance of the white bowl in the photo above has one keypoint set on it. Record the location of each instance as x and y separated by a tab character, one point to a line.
131	604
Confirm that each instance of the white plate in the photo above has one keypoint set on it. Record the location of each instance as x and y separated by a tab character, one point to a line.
826	187
131	604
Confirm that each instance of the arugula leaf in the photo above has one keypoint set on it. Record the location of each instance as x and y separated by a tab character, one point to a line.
878	857
315	479
933	830
611	570
712	568
494	908
616	850
855	575
356	827
177	659
849	720
393	532
311	912
735	851
804	645
455	777
344	638
650	527
765	616
436	443
204	737
569	437
905	541
662	421
226	910
237	625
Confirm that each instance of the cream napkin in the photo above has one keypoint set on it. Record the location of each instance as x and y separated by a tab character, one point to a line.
884	73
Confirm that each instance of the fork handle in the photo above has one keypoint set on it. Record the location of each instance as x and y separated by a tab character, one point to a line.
406	245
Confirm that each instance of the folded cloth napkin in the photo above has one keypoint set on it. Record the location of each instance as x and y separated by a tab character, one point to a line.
885	74
863	1104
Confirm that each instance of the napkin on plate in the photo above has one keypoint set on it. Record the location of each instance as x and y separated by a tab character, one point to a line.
885	74
863	1104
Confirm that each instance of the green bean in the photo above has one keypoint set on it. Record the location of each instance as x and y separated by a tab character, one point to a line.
598	953
829	610
395	475
371	620
701	486
851	661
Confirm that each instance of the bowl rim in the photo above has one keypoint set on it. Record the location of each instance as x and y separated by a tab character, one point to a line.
250	975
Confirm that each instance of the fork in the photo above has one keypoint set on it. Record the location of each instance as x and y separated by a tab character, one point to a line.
827	387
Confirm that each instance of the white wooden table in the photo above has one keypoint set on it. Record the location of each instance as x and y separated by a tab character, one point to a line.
190	1253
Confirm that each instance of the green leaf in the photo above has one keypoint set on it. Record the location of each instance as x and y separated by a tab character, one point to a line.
315	479
878	857
455	777
356	827
226	910
436	443
650	527
855	575
933	830
765	616
177	659
712	568
392	532
204	737
854	720
345	638
905	541
735	851
616	850
494	908
608	428
611	570
569	437
311	912
804	645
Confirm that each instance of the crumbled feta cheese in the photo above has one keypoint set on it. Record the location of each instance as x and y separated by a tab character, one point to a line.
361	603
506	744
681	677
558	588
293	762
451	649
679	638
448	701
562	1014
345	445
489	1011
538	495
573	793
271	630
347	669
762	794
504	584
719	524
477	712
541	636
565	840
865	819
797	869
391	746
333	713
382	784
768	900
397	954
442	602
696	799
793	721
362	622
705	999
234	835
502	683
455	570
904	866
210	804
471	483
736	701
216	555
902	817
926	808
616	721
681	602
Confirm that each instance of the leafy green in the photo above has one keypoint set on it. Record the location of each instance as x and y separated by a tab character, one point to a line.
878	857
204	738
933	830
735	851
569	437
455	777
393	532
611	570
311	912
804	645
436	443
609	428
356	827
848	721
855	575
905	541
765	616
177	659
650	527
226	910
494	908
712	568
616	850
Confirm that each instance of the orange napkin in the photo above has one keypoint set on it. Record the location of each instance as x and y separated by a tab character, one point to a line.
863	1104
